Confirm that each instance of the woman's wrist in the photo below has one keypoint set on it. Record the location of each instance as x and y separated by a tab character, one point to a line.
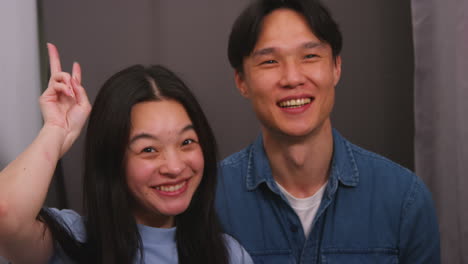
53	137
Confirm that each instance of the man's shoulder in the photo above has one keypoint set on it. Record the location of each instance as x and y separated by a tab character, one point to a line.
233	171
378	178
377	170
366	157
236	159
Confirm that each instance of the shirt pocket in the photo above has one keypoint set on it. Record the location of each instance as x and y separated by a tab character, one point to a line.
272	256
361	256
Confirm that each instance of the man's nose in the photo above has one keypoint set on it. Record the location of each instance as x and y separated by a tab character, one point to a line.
292	75
172	165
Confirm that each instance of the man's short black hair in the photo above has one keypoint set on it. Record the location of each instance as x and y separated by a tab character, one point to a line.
248	25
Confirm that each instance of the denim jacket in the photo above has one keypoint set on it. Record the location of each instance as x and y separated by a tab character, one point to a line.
372	211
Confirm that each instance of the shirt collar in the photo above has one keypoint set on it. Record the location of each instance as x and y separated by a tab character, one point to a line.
344	167
258	169
157	236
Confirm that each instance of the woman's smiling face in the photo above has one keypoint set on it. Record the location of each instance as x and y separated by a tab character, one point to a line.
164	162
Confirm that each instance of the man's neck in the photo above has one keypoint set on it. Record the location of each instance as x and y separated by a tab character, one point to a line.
301	165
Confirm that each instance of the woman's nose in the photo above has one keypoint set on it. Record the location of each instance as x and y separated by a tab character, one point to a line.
173	164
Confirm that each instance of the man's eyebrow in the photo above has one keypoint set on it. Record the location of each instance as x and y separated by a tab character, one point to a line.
312	44
264	51
267	51
152	137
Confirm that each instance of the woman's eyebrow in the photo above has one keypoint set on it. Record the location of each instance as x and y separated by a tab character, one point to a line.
144	135
187	128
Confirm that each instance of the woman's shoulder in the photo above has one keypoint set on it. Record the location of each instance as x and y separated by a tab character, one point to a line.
237	253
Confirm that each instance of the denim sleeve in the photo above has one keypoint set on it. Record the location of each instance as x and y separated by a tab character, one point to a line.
237	253
419	232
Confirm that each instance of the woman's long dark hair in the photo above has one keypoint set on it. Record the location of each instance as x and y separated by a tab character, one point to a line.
112	233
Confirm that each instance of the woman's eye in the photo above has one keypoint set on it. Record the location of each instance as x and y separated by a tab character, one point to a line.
148	150
187	141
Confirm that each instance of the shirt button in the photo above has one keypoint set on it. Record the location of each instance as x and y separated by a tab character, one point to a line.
294	228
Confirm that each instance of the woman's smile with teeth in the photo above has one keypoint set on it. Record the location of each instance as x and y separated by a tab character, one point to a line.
294	102
171	188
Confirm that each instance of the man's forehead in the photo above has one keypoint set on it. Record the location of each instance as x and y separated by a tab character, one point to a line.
282	16
284	20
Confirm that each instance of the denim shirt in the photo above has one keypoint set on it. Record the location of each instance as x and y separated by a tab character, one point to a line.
372	211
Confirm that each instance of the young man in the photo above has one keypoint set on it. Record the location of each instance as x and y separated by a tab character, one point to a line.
301	193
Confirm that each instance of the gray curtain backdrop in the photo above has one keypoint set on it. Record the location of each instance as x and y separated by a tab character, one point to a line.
441	125
20	119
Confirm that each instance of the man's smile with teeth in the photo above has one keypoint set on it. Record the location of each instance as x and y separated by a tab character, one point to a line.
294	102
171	188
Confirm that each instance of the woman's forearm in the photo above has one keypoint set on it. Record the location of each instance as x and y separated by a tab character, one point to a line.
25	181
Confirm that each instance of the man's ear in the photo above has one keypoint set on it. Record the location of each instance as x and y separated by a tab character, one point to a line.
337	69
240	83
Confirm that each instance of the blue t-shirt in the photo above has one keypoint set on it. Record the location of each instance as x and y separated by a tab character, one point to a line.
158	243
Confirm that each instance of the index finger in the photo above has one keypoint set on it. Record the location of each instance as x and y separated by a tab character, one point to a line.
54	59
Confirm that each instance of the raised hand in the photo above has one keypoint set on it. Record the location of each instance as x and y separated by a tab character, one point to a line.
25	181
64	103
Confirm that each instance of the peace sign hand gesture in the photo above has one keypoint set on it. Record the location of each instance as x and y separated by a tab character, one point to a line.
64	103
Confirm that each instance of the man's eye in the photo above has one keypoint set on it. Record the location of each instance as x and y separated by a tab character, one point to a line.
268	62
310	56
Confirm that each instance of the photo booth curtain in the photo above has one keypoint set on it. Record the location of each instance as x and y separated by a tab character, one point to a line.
440	30
20	118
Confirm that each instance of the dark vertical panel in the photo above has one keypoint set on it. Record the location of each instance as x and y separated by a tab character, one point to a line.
374	100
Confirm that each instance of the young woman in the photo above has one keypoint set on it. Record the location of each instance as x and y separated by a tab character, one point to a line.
149	181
